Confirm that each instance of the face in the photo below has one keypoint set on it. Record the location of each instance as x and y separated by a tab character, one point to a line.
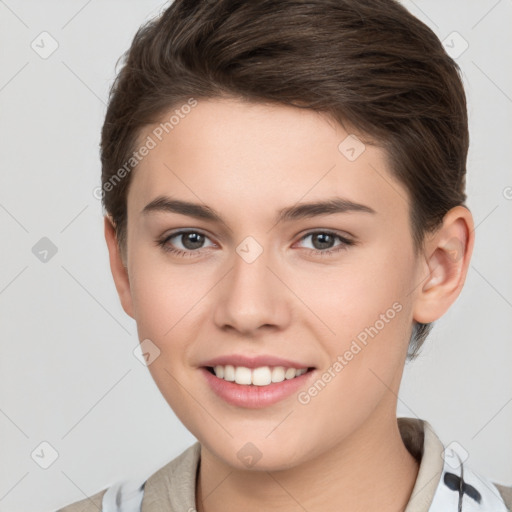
250	275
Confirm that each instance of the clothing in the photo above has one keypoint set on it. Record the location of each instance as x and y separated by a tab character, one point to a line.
445	482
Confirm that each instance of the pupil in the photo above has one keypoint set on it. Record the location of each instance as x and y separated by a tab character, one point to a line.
192	240
325	240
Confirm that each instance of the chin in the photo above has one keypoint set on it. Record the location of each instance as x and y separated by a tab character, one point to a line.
257	454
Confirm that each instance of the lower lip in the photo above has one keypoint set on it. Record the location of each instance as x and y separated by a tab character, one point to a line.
254	397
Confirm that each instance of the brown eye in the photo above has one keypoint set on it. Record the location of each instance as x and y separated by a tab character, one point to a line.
185	242
192	240
324	242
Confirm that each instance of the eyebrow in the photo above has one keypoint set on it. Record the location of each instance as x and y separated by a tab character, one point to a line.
298	211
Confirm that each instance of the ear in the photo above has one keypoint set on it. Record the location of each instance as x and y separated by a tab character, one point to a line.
118	268
447	255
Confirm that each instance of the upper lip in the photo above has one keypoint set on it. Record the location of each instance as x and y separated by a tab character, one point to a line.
253	362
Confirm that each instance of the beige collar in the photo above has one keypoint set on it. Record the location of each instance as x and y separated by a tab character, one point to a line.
421	440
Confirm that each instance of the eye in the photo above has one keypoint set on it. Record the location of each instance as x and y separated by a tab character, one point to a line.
184	243
189	243
323	242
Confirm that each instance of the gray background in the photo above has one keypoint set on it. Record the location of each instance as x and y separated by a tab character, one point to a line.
68	375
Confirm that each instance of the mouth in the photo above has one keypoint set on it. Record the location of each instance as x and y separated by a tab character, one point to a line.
260	376
255	381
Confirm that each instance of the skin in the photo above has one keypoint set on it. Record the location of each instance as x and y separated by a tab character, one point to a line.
247	161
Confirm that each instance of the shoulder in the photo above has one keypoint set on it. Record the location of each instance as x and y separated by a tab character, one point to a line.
90	504
506	494
122	496
461	482
445	479
173	485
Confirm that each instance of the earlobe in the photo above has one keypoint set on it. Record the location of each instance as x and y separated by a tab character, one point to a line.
119	271
447	257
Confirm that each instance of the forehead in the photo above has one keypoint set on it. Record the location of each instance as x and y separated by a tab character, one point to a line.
244	156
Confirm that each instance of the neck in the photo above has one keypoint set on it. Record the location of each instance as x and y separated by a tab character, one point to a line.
370	470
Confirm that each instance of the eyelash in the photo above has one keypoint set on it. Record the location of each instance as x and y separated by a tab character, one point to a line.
345	244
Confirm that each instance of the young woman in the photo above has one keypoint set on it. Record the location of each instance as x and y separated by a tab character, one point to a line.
284	191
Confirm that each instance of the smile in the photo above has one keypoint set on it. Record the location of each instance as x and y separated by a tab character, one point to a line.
261	376
255	388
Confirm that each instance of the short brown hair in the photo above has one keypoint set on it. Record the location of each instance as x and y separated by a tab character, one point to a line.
369	63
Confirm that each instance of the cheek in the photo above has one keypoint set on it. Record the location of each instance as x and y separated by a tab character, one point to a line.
163	293
366	306
351	296
166	300
367	309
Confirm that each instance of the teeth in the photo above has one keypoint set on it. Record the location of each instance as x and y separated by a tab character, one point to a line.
290	373
262	376
243	375
278	373
219	371
229	373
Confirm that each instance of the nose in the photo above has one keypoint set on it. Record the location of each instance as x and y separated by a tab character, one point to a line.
252	298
